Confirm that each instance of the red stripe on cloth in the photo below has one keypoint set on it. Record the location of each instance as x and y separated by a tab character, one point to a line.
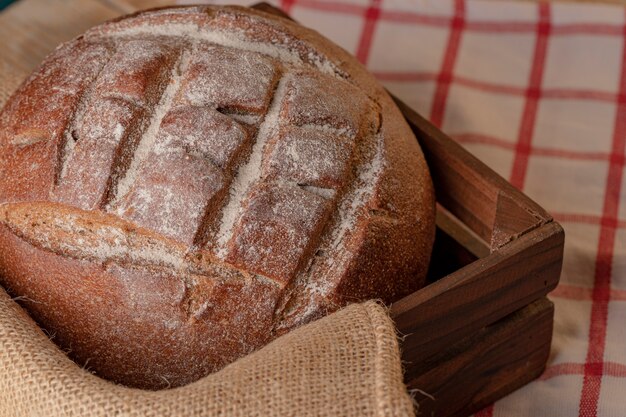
483	140
415	18
613	369
579	94
554	93
569	154
562	369
592	381
489	87
405	76
365	44
286	5
588	29
533	93
447	67
502	26
470	138
588	219
565	29
467	82
572	292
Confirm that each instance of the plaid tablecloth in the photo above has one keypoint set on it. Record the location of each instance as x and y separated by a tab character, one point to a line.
537	91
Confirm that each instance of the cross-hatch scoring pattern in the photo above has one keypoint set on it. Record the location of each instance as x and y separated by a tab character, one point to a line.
161	141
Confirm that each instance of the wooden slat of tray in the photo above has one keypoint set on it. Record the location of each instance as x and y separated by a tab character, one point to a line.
471	374
473	192
480	293
463	235
461	308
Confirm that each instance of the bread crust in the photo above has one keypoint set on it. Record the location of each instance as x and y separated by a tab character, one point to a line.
155	219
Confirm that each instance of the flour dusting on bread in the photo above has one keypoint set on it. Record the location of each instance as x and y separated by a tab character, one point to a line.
189	183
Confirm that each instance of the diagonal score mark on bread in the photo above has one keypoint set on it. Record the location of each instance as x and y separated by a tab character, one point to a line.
210	218
67	142
104	238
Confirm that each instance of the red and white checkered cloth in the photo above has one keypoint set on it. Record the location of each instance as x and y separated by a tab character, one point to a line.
538	92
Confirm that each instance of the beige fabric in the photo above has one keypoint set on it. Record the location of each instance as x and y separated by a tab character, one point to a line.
10	78
31	29
346	364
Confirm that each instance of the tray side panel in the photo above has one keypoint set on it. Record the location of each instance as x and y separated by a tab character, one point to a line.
479	294
487	365
473	192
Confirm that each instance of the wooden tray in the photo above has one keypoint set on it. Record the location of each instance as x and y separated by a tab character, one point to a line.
482	327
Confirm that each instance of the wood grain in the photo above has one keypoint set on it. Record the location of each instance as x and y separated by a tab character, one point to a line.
471	190
479	294
470	374
462	234
456	313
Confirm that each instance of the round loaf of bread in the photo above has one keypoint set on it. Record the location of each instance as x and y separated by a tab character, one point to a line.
180	186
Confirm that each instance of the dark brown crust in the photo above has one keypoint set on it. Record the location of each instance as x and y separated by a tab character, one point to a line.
147	299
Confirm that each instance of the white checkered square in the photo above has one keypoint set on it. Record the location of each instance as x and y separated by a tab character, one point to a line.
563	185
332	10
514	52
583	62
531	400
434	8
500	11
418	95
579	258
612	393
333	26
474	111
497	158
571	331
621	214
407	47
616	333
575	125
618	270
587	13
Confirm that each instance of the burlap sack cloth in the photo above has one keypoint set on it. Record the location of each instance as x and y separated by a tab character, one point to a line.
347	364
